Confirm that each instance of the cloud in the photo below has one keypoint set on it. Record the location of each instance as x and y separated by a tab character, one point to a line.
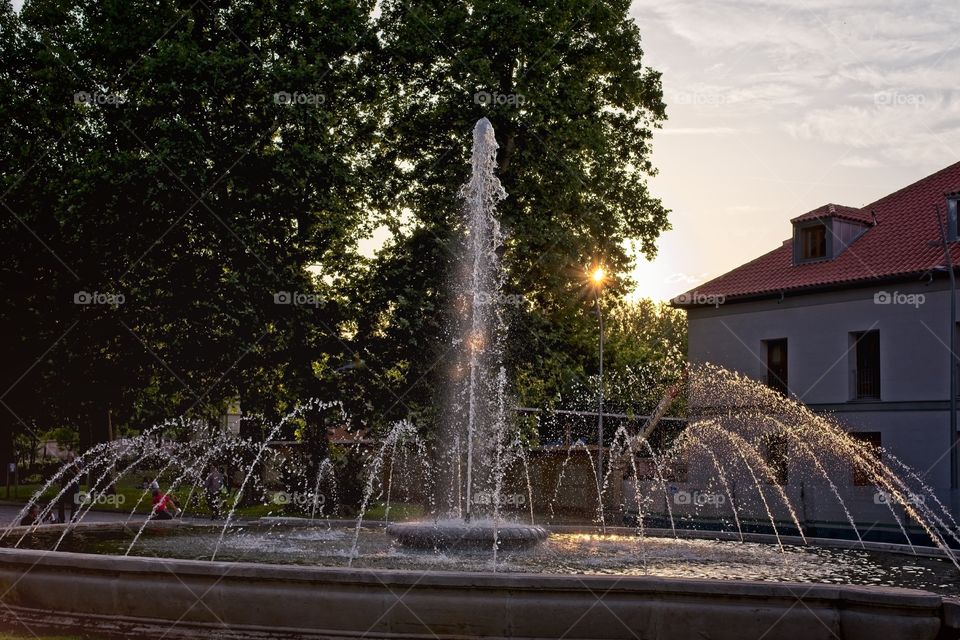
859	162
874	76
698	131
901	131
681	277
884	43
744	209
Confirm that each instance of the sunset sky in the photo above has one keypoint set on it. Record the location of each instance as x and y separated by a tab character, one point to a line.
778	106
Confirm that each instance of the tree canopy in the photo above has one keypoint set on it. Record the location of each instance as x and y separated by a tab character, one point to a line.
574	109
184	188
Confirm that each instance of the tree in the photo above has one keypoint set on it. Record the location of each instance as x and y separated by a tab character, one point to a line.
211	159
647	333
645	354
187	183
39	137
574	109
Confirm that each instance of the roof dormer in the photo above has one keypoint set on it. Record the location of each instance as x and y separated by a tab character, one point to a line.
825	232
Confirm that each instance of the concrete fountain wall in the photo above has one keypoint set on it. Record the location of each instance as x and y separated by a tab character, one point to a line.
188	599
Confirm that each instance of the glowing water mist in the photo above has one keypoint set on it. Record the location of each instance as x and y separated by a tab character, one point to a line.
480	330
477	451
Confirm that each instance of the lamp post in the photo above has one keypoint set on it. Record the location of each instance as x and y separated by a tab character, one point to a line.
597	276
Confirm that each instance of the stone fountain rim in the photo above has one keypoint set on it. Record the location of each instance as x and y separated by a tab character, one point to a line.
133	595
465	580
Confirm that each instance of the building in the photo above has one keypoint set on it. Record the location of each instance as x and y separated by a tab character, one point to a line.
851	315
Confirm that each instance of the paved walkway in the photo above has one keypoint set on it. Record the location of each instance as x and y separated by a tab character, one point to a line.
10	511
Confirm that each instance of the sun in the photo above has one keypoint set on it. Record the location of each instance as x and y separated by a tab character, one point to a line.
598	275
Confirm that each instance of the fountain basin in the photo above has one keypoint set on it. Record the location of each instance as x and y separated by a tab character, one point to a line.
110	595
457	535
73	592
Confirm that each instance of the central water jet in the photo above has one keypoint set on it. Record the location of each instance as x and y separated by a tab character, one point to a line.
477	399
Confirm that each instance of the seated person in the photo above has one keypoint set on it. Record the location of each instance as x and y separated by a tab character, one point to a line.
164	507
32	516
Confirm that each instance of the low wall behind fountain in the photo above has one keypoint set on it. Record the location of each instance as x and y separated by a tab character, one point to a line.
189	599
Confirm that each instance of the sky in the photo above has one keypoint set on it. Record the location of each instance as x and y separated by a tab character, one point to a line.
779	106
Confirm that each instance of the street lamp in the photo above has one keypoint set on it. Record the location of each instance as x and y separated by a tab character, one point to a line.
597	277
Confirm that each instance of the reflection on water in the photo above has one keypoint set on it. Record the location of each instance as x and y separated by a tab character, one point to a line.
563	553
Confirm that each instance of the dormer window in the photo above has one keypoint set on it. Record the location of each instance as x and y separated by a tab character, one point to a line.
826	232
813	242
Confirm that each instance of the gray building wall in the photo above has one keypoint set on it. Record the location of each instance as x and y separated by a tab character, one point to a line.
913	319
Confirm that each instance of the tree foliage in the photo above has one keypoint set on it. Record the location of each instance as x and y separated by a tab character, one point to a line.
574	109
178	169
183	189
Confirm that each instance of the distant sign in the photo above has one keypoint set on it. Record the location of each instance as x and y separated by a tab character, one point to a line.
12	467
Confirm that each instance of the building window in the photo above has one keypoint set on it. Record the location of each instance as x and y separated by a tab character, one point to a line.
955	359
953	229
777	365
870	441
866	374
812	242
775	454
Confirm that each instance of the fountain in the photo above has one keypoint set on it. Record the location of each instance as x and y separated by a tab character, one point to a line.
730	518
477	413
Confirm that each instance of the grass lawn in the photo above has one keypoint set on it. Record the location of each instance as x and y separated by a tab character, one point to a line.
130	496
399	511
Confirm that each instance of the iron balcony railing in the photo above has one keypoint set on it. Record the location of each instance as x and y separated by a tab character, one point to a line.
866	383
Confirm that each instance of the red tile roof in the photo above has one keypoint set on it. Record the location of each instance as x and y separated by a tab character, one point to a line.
898	246
836	211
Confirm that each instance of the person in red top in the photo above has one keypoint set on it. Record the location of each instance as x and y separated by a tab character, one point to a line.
164	507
